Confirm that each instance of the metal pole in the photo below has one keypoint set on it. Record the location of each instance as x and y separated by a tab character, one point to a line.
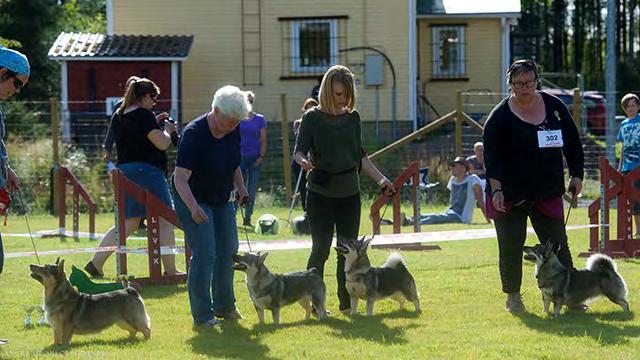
610	80
394	119
377	114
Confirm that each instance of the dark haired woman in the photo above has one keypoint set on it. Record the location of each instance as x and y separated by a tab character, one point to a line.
525	138
140	144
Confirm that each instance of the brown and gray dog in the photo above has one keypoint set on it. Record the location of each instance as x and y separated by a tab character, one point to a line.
392	279
71	312
271	291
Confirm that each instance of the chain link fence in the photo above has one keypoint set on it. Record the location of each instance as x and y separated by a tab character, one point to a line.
30	144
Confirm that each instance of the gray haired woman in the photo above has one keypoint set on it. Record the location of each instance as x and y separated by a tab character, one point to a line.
207	170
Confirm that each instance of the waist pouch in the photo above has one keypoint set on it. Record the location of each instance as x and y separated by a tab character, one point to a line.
323	177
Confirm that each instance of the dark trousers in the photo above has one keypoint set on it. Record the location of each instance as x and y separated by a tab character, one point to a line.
325	214
511	229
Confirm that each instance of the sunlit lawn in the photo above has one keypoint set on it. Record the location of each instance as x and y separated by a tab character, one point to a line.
463	310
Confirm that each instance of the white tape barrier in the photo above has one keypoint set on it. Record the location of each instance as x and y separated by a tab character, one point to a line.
385	239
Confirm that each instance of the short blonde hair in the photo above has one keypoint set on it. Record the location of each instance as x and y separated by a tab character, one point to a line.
628	97
232	102
343	75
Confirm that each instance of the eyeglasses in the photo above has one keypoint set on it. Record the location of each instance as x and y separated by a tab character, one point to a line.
522	84
155	99
17	83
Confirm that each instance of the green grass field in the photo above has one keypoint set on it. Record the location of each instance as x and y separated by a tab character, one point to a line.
463	310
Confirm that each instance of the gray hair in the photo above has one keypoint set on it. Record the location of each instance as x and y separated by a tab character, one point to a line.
231	102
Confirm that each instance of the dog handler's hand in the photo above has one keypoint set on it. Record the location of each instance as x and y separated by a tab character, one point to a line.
242	196
198	215
498	201
575	186
13	182
306	165
387	187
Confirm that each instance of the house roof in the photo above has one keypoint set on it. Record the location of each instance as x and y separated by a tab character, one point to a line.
86	46
456	8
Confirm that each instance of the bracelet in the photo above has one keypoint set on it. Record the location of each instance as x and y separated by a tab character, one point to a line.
382	180
495	191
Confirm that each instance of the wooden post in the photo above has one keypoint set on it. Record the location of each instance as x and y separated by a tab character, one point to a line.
458	124
577	98
286	154
55	137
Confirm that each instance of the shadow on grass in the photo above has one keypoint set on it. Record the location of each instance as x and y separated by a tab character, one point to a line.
229	340
62	349
161	291
576	324
372	328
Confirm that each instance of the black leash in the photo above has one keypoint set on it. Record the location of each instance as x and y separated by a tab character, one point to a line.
244	226
26	218
573	199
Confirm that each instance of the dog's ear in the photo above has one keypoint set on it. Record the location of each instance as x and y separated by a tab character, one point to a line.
60	264
366	243
57	260
263	257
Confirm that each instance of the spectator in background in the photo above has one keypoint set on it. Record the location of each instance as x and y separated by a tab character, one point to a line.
14	75
629	134
477	160
466	190
253	146
141	144
316	89
207	169
302	185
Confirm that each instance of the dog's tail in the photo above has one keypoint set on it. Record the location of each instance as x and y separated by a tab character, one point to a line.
602	264
605	266
395	261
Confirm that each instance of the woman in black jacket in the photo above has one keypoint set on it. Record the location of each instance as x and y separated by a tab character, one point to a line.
525	138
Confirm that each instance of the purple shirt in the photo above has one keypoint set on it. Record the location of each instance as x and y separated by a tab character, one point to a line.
250	135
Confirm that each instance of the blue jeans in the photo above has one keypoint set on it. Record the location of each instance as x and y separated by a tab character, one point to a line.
213	244
447	217
251	175
149	178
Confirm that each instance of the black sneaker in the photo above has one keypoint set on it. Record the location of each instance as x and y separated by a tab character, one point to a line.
3	341
91	270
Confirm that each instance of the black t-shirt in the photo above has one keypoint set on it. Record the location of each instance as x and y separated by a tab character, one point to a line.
212	161
512	154
132	144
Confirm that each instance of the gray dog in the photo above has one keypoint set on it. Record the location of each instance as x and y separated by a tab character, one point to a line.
392	279
273	291
571	287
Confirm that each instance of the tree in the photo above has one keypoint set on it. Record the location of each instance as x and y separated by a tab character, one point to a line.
31	26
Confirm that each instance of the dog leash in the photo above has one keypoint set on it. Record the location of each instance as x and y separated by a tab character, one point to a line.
573	199
26	218
244	226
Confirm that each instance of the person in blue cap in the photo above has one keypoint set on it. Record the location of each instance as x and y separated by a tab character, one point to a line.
14	74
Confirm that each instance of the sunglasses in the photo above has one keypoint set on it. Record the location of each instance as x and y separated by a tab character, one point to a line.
17	83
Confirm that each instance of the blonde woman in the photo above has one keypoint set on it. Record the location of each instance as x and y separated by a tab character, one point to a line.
330	133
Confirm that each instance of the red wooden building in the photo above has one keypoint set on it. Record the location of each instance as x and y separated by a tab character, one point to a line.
96	66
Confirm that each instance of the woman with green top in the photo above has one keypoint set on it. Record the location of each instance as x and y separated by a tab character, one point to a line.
330	134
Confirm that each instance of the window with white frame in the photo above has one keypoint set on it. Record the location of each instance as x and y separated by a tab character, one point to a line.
448	51
314	46
311	45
